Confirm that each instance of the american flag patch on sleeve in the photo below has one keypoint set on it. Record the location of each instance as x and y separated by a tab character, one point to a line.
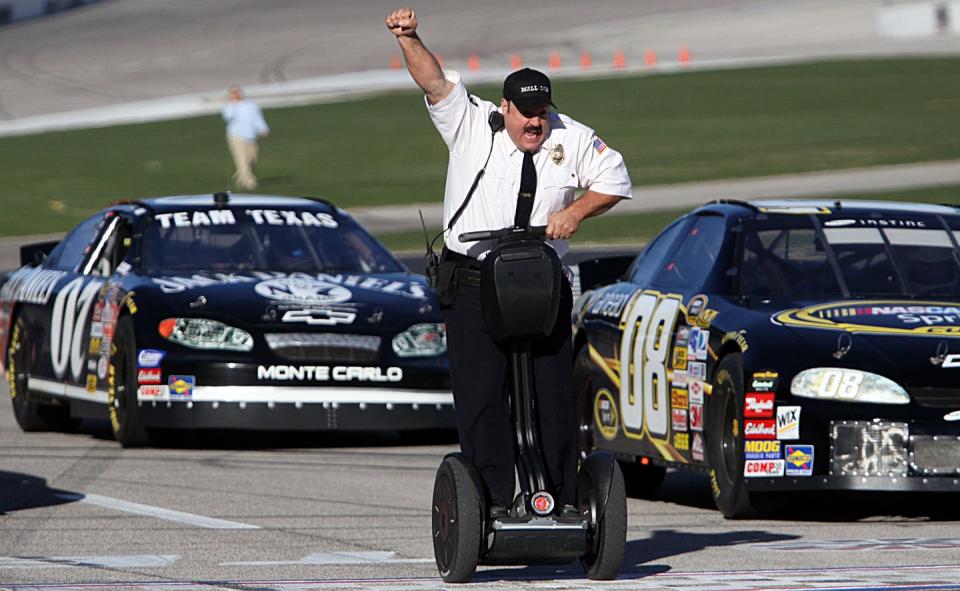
599	146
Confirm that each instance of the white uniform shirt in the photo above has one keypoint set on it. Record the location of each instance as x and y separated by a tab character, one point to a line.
244	120
571	158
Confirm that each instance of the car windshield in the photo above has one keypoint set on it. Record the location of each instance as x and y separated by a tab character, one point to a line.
238	239
800	255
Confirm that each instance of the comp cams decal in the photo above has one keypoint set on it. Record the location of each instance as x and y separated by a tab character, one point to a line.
924	318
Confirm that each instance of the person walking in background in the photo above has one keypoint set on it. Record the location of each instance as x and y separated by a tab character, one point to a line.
245	128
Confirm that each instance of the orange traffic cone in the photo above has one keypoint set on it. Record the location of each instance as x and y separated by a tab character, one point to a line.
684	55
395	63
650	58
554	60
516	62
473	62
585	60
619	60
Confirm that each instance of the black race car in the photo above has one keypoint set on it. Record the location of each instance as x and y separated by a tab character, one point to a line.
781	346
241	311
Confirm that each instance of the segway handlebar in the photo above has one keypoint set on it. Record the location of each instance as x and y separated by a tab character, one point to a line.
494	234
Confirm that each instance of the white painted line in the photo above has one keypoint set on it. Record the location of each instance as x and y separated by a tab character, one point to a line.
338	558
130	561
158	512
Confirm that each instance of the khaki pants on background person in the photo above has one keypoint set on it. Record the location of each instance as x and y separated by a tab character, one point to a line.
244	153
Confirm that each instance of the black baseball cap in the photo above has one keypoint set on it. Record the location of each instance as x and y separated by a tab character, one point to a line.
527	89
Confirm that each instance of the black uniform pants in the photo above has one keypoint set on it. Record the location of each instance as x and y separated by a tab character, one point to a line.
479	371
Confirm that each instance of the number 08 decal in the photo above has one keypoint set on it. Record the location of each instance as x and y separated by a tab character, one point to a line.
644	388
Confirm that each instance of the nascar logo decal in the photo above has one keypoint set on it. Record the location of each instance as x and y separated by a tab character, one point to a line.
879	317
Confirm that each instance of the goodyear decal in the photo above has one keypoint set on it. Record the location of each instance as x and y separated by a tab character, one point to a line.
605	414
924	318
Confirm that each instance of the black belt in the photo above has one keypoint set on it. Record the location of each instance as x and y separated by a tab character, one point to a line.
468	268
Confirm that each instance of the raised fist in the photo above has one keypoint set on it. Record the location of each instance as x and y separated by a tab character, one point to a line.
402	22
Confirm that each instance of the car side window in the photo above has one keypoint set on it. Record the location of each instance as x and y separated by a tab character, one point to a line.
695	256
71	250
651	259
113	246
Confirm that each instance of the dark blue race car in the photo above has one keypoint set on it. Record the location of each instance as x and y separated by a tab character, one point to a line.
223	311
781	346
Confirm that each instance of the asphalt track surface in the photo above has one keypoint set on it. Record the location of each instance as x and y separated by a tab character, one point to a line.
344	511
347	511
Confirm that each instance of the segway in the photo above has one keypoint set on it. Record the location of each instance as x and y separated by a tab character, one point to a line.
520	291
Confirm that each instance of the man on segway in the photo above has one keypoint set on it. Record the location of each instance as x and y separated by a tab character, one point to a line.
525	176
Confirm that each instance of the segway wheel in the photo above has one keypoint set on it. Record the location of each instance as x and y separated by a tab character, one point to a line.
457	519
602	561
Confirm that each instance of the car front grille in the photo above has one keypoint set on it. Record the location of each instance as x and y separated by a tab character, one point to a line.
333	347
936	397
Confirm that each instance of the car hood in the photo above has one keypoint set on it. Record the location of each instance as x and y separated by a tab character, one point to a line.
322	300
913	342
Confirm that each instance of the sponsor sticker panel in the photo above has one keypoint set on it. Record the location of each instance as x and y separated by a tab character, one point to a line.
763	468
758	405
788	422
760	429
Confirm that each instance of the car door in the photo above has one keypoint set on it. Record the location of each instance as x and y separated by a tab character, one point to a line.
57	316
657	341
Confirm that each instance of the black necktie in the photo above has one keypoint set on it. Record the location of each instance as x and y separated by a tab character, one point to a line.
528	188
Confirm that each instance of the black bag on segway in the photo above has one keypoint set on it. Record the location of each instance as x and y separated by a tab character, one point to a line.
520	287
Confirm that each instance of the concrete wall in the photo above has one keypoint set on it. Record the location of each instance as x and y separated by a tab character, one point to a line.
919	19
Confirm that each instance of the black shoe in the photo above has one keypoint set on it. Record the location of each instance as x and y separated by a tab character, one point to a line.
498	512
569	511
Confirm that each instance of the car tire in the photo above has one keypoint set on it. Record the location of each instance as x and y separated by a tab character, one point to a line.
724	435
20	353
458	514
123	407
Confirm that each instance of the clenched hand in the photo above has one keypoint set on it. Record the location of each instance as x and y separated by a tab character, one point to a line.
402	22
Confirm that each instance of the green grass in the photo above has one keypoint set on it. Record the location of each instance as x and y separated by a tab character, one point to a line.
638	228
670	128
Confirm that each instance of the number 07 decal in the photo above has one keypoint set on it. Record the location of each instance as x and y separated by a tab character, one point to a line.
644	389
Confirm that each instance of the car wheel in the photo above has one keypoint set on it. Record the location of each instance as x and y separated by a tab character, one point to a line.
123	408
724	434
20	353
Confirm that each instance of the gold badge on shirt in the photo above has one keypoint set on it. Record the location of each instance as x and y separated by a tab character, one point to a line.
556	154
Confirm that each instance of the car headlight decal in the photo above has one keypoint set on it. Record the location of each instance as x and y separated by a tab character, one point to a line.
421	340
847	385
203	333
